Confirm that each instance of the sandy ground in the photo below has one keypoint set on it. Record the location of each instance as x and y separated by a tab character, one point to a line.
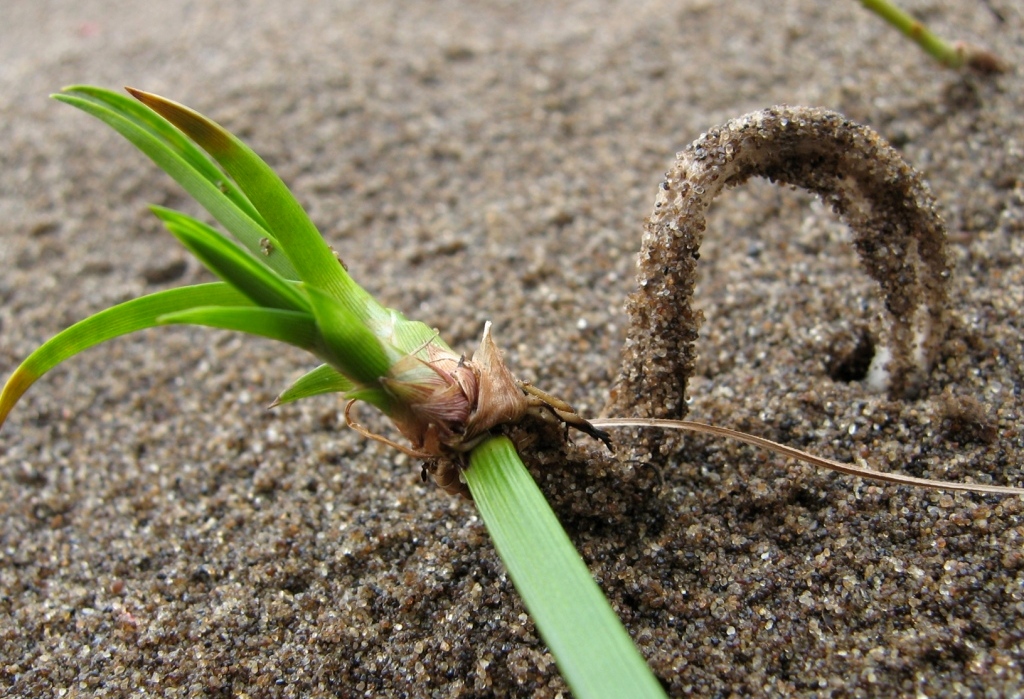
162	533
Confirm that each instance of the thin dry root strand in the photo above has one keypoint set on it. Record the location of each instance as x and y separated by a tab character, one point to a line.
351	423
898	234
791	452
446	473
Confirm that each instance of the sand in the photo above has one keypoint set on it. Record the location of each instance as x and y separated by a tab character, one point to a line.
162	533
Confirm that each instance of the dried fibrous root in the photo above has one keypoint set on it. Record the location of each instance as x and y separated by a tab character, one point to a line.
793	453
353	425
898	234
542	403
447	472
447	475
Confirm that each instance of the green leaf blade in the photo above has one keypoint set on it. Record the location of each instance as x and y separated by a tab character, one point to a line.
351	348
287	220
209	193
231	263
124	318
163	130
292	327
591	647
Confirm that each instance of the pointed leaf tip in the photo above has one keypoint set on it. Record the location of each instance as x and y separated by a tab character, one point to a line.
197	127
323	379
124	318
286	220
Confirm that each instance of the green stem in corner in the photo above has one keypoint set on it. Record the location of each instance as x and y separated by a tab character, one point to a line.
956	55
591	647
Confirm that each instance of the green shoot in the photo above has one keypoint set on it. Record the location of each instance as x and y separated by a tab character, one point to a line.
956	55
280	280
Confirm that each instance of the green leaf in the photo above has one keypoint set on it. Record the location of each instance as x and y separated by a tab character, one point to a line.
210	189
592	648
293	327
352	348
121	319
163	130
231	263
323	379
289	223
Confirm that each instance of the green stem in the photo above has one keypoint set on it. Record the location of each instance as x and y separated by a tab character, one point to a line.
592	648
945	53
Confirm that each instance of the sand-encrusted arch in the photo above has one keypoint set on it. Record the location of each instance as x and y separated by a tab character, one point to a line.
899	236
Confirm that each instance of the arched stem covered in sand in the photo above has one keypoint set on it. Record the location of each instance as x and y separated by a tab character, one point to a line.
899	236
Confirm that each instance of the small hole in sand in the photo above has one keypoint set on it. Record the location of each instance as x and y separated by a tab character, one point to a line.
851	356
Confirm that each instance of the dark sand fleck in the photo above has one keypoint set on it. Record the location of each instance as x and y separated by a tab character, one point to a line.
162	533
